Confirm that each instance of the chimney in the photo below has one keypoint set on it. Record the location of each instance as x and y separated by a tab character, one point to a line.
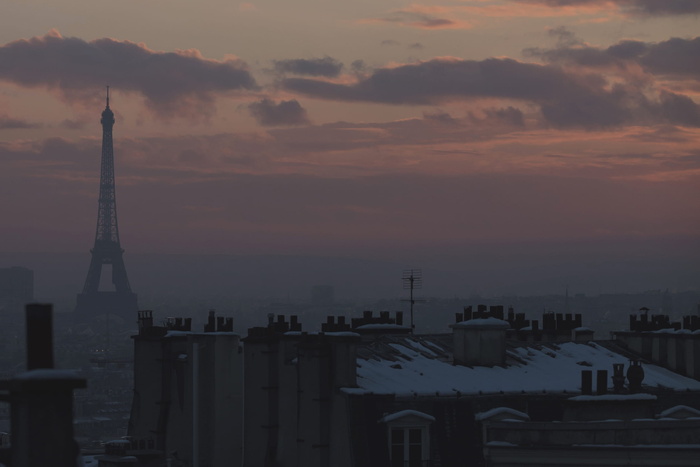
467	313
211	322
39	336
496	311
399	318
602	382
145	320
480	342
586	382
618	377
41	418
635	376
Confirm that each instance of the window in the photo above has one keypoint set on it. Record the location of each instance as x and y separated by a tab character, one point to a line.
409	438
407	447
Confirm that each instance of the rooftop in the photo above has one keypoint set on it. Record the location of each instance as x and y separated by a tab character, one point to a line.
410	366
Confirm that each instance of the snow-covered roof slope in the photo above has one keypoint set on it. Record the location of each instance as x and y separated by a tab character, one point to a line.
404	414
483	322
422	366
503	412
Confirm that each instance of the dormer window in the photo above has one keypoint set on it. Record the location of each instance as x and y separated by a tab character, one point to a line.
409	438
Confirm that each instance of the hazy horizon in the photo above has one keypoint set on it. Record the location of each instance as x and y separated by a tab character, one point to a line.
508	145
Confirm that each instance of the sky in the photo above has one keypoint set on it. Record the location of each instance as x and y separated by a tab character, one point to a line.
381	128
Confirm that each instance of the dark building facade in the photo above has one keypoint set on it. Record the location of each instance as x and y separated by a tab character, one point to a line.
188	393
367	392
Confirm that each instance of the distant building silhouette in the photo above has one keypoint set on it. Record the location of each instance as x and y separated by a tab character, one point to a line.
107	250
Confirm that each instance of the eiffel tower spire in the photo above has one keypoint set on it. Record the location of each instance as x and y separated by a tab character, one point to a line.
107	250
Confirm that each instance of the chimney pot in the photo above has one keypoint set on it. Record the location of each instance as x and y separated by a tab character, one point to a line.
39	336
586	382
602	382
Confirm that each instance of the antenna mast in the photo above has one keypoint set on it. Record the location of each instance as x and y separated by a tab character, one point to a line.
412	279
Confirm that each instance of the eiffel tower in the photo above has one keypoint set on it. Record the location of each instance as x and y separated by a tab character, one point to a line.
107	250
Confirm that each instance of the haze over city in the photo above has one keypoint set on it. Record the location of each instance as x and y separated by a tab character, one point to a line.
515	146
352	234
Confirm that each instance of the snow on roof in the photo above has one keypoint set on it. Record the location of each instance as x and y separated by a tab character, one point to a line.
615	397
398	366
500	444
317	333
664	331
406	413
174	333
478	322
679	410
416	346
382	326
48	373
500	411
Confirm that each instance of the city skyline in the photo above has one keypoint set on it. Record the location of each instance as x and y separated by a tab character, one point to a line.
391	129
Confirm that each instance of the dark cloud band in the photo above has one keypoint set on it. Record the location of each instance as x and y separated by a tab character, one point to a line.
636	7
171	82
566	99
286	113
326	66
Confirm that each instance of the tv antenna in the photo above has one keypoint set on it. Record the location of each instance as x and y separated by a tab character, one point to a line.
412	279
